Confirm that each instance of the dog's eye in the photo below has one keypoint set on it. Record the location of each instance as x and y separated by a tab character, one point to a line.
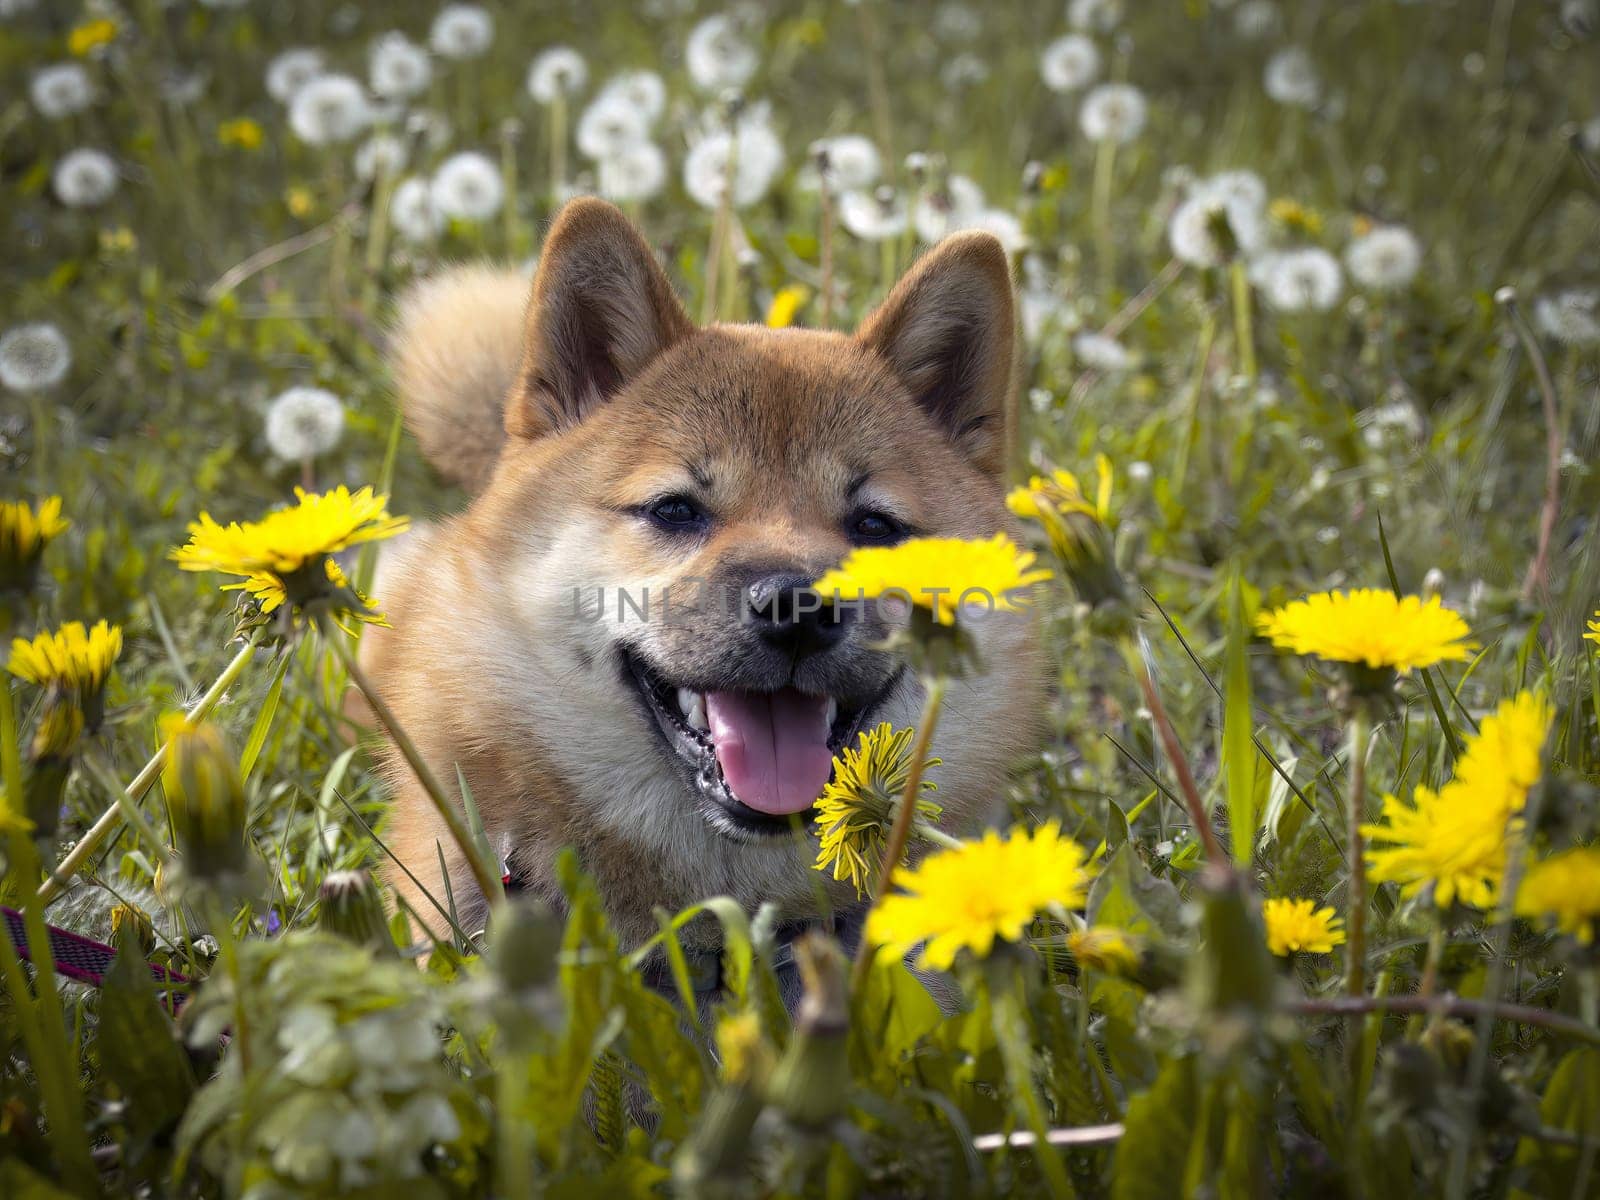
875	527
677	514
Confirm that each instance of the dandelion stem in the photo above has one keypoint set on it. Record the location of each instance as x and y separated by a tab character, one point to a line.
1198	817
558	146
1430	970
825	318
1010	1014
900	832
487	881
1538	570
508	180
1245	347
111	820
377	237
1105	163
1356	813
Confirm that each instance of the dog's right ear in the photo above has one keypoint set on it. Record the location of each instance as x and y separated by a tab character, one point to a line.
602	310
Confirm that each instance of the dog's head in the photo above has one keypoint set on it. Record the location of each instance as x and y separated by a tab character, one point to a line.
667	493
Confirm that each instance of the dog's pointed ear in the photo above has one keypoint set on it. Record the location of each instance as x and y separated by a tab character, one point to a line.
946	330
602	310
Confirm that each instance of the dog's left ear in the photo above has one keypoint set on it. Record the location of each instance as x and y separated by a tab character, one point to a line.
602	309
946	329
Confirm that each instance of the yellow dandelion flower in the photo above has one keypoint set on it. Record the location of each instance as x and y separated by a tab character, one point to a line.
1104	948
1593	635
241	132
1565	888
1369	627
786	304
1291	214
299	201
938	574
1079	530
857	807
1299	925
1507	749
25	530
73	658
966	898
1452	840
91	35
284	557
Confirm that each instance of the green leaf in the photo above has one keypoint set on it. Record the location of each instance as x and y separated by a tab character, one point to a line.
269	706
1127	896
1157	1131
896	1009
1238	728
1571	1105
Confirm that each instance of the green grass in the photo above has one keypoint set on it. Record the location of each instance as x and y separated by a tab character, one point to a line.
1394	438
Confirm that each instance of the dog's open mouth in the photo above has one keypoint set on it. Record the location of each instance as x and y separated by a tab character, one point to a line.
758	760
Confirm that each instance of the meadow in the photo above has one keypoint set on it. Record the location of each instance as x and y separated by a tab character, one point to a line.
1302	884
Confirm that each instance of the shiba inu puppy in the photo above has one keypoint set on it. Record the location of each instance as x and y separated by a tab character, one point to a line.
615	644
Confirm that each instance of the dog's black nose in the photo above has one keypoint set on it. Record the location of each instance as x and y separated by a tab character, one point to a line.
788	613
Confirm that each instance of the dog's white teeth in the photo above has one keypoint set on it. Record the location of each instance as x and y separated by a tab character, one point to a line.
832	711
693	707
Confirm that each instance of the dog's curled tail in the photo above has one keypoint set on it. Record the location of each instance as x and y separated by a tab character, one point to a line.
455	352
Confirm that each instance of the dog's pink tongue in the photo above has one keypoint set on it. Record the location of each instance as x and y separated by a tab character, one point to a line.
773	749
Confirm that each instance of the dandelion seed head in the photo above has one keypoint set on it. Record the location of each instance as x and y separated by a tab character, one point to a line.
1100	16
381	154
609	126
637	172
557	71
964	70
1102	353
61	89
718	55
1003	225
430	125
34	357
641	90
1204	225
304	423
461	31
944	210
848	163
1571	317
1385	259
415	216
1290	77
84	178
758	159
956	23
468	186
1304	280
873	216
1256	19
329	109
1069	63
398	68
1113	112
292	70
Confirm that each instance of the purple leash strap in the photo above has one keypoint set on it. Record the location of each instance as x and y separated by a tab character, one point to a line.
84	959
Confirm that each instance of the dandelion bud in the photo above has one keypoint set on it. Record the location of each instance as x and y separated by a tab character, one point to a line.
24	533
206	795
353	909
812	1081
132	928
523	943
